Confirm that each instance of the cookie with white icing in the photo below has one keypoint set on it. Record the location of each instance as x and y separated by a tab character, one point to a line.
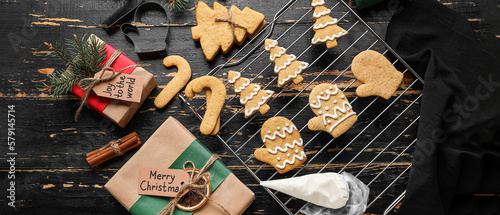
251	95
284	146
333	111
326	28
286	66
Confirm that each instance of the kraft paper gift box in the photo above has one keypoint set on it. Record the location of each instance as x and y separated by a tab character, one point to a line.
118	111
169	147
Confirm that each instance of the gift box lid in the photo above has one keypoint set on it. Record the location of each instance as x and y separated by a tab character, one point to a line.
167	147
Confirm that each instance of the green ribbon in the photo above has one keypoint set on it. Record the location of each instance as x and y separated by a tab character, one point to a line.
197	153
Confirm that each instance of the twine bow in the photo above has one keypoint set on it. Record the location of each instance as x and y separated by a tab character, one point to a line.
114	144
231	22
193	185
87	87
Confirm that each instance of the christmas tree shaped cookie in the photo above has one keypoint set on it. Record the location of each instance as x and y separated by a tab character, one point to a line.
326	28
286	66
220	27
251	96
333	112
284	150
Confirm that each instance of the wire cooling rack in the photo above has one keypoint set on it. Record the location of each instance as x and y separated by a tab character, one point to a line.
377	149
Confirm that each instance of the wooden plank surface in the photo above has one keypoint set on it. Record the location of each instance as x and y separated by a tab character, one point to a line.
52	176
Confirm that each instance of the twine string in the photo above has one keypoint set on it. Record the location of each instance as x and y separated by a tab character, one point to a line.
114	144
193	185
231	22
87	87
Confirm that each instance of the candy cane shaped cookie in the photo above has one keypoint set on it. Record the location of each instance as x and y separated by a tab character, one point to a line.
177	83
215	100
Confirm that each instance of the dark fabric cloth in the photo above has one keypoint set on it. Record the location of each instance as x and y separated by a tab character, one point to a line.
458	148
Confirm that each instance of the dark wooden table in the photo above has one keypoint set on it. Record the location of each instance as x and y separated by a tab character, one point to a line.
52	176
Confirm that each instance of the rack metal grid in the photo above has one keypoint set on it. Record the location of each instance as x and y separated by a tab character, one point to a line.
383	125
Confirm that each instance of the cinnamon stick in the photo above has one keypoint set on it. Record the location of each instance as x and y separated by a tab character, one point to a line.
103	154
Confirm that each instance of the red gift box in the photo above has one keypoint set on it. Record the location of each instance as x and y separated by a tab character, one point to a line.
120	112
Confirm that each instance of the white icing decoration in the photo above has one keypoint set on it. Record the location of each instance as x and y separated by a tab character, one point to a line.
288	155
296	73
320	26
327	108
278	158
278	128
269	131
287	145
335	36
320	112
264	100
329	121
334	101
325	12
271	45
325	98
287	124
344	108
238	75
282	135
283	51
252	94
314	102
243	86
296	151
342	96
318	3
277	69
331	88
347	116
322	93
301	157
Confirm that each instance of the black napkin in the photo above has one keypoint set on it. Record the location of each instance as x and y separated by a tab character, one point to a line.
458	149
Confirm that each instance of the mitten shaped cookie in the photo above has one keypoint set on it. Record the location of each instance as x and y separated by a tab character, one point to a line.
284	150
251	96
333	111
286	66
379	76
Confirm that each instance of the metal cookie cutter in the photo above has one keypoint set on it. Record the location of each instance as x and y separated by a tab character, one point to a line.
121	13
149	31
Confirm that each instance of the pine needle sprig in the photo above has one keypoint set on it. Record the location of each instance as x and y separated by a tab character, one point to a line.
177	5
84	57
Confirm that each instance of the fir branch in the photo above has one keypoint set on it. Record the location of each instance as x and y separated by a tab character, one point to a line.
84	59
177	5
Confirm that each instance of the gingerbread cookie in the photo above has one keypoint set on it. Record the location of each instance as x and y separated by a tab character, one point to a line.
326	28
286	66
284	150
333	111
218	28
215	101
379	76
251	96
177	83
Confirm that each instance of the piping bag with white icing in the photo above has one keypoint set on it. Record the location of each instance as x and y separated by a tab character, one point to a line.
324	189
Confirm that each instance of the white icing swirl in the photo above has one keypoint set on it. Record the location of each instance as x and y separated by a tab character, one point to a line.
273	44
243	86
320	26
252	94
238	75
345	107
287	145
292	161
288	130
341	120
322	13
277	69
335	36
296	73
283	51
318	3
264	100
325	98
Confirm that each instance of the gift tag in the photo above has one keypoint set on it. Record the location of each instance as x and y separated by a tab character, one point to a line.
125	87
161	181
